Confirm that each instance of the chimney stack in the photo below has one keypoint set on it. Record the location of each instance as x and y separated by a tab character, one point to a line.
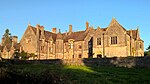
14	40
54	30
37	30
87	25
42	30
70	28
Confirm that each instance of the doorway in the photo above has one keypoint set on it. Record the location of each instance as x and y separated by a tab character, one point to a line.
99	55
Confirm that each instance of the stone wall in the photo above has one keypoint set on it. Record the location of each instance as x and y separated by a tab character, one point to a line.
128	62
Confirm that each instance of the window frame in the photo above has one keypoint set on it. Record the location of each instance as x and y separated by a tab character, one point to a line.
80	56
79	46
99	41
114	40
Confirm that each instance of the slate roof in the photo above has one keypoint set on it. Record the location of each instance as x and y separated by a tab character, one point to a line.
77	36
49	34
80	35
103	29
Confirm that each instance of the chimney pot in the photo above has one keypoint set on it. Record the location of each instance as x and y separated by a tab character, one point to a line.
54	30
70	28
87	25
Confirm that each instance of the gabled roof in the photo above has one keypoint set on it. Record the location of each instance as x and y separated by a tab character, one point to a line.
59	36
16	46
33	28
47	34
114	21
80	35
77	36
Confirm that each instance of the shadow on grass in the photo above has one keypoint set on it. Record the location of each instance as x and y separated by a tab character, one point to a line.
54	72
122	70
29	72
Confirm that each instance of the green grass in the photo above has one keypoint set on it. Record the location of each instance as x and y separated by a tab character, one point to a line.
86	74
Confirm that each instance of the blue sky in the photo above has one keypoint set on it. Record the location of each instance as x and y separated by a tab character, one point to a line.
16	14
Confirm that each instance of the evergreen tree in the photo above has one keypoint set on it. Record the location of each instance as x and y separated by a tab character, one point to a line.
147	53
148	48
7	38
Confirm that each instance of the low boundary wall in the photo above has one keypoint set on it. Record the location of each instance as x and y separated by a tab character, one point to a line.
114	61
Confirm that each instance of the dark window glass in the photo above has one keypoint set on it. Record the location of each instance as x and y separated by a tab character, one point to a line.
80	47
98	41
80	56
114	40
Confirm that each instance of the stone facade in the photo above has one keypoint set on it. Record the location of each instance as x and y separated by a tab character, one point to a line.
111	41
7	51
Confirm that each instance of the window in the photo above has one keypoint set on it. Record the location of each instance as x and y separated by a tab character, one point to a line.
80	47
71	46
66	48
42	48
140	45
98	41
114	40
50	50
80	56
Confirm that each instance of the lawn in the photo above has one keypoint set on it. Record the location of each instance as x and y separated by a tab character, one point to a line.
62	74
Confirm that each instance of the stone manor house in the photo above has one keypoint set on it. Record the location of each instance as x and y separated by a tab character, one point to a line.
111	41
